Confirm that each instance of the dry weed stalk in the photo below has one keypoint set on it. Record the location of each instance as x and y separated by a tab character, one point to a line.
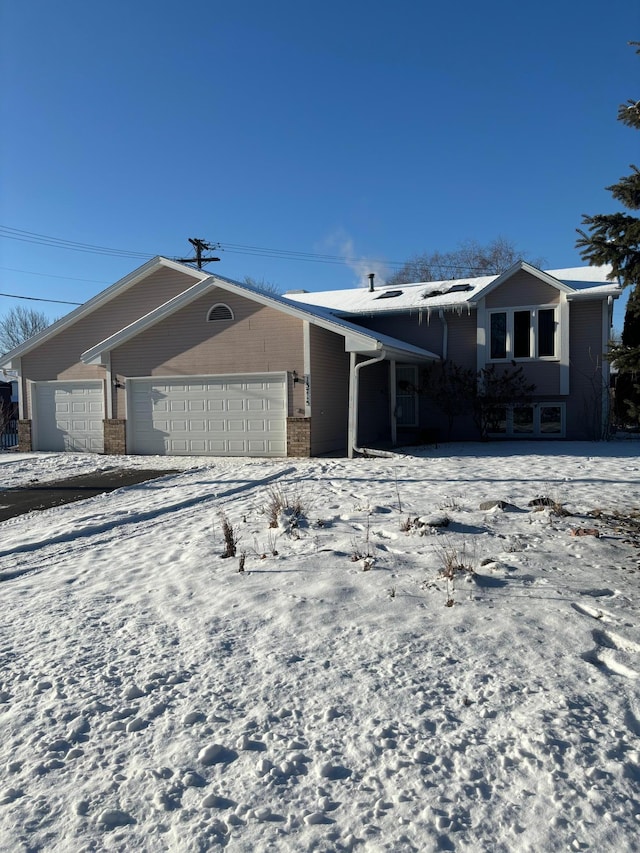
455	562
229	536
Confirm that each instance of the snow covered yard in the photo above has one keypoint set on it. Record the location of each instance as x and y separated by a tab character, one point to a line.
340	693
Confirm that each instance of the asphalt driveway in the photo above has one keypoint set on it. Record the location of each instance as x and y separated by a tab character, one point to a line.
38	496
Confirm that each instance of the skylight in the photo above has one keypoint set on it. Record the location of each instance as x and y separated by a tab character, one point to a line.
389	294
455	288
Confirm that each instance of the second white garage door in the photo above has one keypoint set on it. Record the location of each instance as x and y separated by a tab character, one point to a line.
208	415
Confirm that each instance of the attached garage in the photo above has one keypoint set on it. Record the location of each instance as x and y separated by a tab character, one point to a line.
208	415
68	415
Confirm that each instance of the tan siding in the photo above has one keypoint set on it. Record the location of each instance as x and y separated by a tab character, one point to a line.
258	340
522	289
584	406
59	357
329	391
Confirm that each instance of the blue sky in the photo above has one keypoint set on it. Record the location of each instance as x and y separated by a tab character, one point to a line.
333	129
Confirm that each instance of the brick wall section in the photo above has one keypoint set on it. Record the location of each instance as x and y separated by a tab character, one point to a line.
299	437
25	444
115	436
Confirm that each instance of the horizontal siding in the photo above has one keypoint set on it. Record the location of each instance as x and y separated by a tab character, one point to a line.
417	328
584	408
259	339
329	391
59	357
545	375
522	289
462	338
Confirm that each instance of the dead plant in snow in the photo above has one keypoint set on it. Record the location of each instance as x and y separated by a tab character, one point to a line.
280	503
455	563
229	536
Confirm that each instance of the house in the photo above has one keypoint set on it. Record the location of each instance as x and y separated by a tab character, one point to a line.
8	389
8	410
174	360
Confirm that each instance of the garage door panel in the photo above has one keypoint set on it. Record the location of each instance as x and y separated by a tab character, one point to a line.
69	415
231	426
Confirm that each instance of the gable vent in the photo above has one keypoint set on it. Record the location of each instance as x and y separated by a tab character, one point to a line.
220	312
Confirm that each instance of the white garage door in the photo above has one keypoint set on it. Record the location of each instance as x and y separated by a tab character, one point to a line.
209	415
68	416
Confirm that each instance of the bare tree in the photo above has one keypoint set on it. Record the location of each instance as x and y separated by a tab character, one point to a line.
18	325
262	285
469	259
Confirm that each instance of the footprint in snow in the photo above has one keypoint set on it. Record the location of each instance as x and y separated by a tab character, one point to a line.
614	654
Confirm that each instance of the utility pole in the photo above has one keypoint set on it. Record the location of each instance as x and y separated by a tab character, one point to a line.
200	246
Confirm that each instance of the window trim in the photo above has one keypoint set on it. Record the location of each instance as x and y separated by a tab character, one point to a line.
534	335
537	432
213	308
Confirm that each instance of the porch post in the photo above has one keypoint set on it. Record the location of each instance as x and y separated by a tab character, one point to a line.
353	403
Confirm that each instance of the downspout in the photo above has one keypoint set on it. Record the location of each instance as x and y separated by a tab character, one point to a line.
445	335
354	400
606	370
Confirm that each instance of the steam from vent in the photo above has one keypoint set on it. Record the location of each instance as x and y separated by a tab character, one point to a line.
342	244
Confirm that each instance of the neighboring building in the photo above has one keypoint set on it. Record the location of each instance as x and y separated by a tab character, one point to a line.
173	360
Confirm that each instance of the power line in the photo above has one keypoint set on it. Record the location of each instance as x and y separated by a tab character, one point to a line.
39	299
50	275
72	245
232	248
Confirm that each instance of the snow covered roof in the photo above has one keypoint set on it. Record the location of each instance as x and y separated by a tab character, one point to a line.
453	293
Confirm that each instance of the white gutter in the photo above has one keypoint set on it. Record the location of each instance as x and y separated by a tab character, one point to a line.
354	374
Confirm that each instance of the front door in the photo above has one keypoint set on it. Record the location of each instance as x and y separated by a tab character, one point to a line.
406	395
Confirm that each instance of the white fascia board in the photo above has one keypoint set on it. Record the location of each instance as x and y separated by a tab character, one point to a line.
597	292
355	339
97	301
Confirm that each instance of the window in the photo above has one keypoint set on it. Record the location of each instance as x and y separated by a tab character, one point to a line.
522	333
220	312
499	335
546	332
539	420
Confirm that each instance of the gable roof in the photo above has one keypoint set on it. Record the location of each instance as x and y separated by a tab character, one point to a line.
588	282
99	300
357	339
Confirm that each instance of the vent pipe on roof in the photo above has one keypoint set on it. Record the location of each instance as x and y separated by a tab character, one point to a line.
372	275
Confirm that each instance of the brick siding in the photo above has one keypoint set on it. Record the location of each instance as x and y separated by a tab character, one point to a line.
115	436
299	437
